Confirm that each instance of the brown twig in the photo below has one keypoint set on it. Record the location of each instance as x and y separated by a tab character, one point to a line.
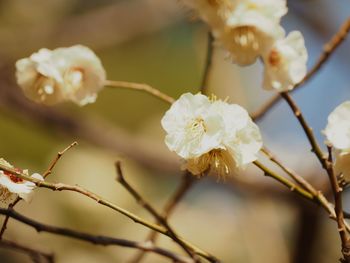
318	195
4	224
140	87
337	190
58	156
307	129
292	186
207	65
328	49
318	199
94	239
160	219
104	202
47	173
186	184
34	254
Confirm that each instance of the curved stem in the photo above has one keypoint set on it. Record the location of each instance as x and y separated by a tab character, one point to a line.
140	87
307	129
207	66
293	187
185	185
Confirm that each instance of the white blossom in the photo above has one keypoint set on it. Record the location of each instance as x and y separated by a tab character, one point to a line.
245	28
40	77
211	134
285	63
12	187
251	29
64	74
338	128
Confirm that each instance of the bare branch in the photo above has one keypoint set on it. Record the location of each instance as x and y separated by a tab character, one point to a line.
208	63
307	129
4	224
186	184
94	239
318	195
59	155
344	234
34	254
293	187
140	87
160	219
104	202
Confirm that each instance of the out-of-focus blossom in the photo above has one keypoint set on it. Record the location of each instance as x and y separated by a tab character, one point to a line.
285	63
245	28
12	187
211	134
64	74
338	128
251	28
338	136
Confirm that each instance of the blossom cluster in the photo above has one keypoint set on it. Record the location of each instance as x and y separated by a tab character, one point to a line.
12	186
211	134
249	29
64	74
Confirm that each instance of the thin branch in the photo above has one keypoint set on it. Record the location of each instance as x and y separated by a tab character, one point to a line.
140	200
94	239
318	195
4	224
186	184
35	254
208	63
297	178
58	157
47	173
140	87
307	129
318	199
328	49
337	190
293	187
104	202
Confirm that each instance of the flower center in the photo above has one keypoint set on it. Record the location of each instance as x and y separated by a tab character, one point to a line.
44	87
197	127
218	160
245	39
274	58
13	177
74	78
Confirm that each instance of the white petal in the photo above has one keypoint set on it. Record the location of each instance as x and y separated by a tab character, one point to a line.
285	63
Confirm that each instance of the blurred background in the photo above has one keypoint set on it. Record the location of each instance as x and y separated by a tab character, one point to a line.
247	219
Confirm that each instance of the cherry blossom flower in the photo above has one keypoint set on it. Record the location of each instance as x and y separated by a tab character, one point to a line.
285	63
12	187
64	74
245	28
211	134
40	78
251	28
338	128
